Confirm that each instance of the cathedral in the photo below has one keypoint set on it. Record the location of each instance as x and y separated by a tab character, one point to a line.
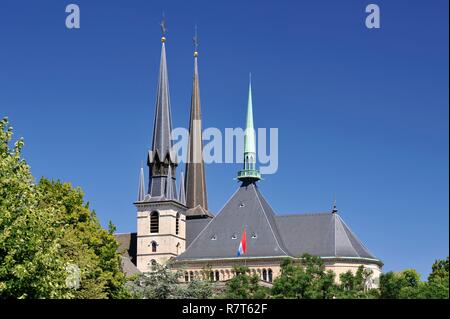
177	228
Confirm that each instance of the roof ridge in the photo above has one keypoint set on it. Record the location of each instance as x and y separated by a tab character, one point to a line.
348	229
270	226
336	218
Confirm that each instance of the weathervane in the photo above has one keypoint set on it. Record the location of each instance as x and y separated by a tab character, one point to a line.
163	28
195	40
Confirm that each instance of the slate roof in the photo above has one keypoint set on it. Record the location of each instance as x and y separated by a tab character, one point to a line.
194	227
324	235
268	235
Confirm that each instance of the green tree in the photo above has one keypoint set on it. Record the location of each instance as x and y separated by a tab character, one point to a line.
164	283
305	280
46	231
198	289
84	243
437	286
407	284
30	263
354	286
438	280
244	286
439	270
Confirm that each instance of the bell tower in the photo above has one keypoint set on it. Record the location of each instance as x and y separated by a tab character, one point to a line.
161	219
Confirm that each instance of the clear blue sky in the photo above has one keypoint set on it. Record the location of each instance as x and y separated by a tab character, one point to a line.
361	113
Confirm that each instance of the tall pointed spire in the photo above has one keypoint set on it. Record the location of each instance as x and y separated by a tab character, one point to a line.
182	194
195	171
141	187
249	173
161	156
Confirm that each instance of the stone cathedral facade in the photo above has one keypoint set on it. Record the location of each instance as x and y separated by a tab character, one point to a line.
176	227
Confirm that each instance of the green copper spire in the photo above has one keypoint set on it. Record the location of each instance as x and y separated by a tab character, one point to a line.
249	173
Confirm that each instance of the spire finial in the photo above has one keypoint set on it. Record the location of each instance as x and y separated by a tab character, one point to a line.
334	205
195	40
163	28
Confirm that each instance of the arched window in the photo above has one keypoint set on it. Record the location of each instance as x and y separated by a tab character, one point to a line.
270	273
177	224
186	276
217	276
264	275
178	248
191	275
211	276
154	222
154	246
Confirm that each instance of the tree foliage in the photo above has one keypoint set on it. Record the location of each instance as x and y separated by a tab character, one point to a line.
163	283
84	242
305	280
244	286
407	285
356	285
46	230
30	263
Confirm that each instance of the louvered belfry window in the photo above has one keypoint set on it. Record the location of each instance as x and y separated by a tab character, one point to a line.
154	222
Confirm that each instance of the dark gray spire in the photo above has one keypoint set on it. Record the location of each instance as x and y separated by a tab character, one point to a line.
195	171
161	156
141	187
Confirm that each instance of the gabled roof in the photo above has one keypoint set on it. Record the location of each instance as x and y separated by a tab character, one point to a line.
221	236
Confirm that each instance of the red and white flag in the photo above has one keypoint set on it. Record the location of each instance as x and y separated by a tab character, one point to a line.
242	245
